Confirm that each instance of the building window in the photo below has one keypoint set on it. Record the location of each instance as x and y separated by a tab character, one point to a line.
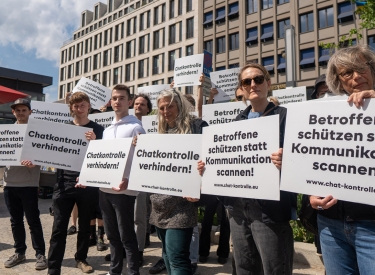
142	44
141	68
326	18
252	36
345	12
83	23
189	5
220	44
106	78
86	65
251	6
156	15
324	56
171	59
233	10
306	22
281	26
171	9
96	61
156	39
163	12
127	72
141	21
110	4
148	19
189	50
129	49
96	13
155	64
172	34
189	90
208	46
267	32
234	43
78	68
117	31
269	64
106	58
347	43
207	19
266	4
371	42
118	53
190	28
279	2
179	8
62	74
119	13
62	91
234	66
220	15
117	73
281	64
220	68
307	58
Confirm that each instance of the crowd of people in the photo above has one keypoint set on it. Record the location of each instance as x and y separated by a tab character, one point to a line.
261	233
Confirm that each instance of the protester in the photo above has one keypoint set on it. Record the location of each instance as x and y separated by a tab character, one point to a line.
21	198
347	229
320	87
66	195
274	100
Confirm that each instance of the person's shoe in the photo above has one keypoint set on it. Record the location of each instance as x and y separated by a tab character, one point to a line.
217	231
14	260
203	259
84	266
158	267
51	212
140	258
100	245
72	230
92	242
41	262
194	268
107	258
147	241
152	229
222	260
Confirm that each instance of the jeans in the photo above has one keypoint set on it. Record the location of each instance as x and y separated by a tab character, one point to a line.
175	246
64	199
348	247
20	200
118	216
194	246
140	218
259	248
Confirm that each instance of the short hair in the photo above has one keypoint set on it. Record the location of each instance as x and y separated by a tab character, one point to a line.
191	99
122	87
77	97
149	103
349	58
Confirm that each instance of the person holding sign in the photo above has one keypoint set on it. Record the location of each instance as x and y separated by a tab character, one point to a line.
21	198
175	217
347	229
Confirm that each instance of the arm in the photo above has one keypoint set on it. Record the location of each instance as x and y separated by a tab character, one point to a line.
213	92
277	158
200	95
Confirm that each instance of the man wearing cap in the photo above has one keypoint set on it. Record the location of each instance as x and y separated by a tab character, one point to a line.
320	88
21	198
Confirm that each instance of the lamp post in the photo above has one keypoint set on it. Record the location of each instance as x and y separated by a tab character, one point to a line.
290	60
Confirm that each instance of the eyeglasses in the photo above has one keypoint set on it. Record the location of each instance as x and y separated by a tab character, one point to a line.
247	81
347	74
239	98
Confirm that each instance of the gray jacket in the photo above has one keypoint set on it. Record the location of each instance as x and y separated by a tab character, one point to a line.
21	176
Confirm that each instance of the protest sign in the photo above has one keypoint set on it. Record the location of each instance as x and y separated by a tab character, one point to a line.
207	63
150	124
167	164
226	83
238	162
103	119
105	162
187	70
99	95
292	95
222	113
54	112
11	140
55	145
153	92
330	150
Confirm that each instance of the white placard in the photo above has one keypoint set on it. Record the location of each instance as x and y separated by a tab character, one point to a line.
105	162
11	141
206	86
167	164
99	95
226	83
237	160
187	70
215	114
104	119
292	95
330	150
153	92
150	124
54	112
55	145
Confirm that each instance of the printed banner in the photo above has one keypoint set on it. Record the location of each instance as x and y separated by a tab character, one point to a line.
99	95
226	83
54	112
105	162
11	141
167	164
292	95
222	113
238	163
103	119
153	92
187	70
330	150
150	124
55	145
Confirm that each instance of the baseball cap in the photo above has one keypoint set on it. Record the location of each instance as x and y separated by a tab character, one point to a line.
21	101
321	79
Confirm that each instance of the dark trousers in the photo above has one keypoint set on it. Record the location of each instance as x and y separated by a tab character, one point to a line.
205	237
118	216
63	203
20	200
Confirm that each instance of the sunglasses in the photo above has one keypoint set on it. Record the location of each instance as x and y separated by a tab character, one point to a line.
247	81
239	98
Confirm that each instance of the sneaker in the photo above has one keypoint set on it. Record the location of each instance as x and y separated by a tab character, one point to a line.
158	267
72	230
222	260
217	231
84	266
194	268
203	259
100	245
14	260
41	262
92	242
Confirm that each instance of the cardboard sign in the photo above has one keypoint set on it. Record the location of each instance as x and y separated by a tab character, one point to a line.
54	112
153	92
187	70
11	141
105	162
292	95
99	95
55	145
150	124
330	150
103	119
167	164
237	160
215	114
226	83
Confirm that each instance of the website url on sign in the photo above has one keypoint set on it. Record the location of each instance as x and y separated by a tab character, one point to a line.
97	182
232	185
342	186
162	188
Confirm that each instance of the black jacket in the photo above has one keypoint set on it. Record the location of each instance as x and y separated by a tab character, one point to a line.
349	211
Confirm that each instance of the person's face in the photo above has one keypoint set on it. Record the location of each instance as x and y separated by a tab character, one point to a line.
355	82
22	113
239	94
257	89
140	107
168	109
80	109
119	101
322	90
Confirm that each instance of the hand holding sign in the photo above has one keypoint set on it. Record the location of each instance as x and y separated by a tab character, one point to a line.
122	186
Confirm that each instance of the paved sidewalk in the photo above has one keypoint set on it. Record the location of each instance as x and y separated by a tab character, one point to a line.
95	258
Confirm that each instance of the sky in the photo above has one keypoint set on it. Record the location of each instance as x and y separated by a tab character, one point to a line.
32	32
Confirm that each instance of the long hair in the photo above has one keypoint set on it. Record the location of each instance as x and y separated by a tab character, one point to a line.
183	118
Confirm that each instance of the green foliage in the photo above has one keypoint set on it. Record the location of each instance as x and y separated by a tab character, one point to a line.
300	234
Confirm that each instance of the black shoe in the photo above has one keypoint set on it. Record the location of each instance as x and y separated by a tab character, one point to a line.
92	242
153	229
222	260
100	245
158	267
203	259
147	241
140	258
72	230
51	211
194	268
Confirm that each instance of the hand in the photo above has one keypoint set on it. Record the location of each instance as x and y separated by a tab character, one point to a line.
191	199
213	92
172	84
103	108
27	163
277	158
135	139
122	186
357	98
90	135
201	167
322	203
201	78
78	185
